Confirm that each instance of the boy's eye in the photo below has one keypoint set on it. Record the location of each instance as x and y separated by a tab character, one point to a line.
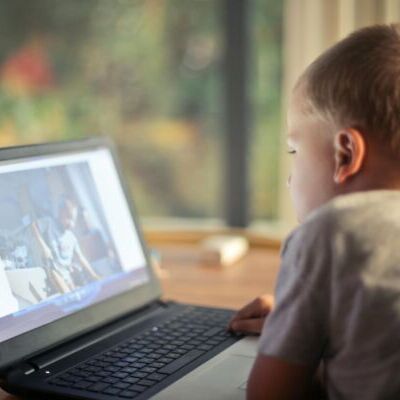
291	151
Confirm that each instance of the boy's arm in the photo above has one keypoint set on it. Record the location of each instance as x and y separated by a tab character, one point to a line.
85	264
272	378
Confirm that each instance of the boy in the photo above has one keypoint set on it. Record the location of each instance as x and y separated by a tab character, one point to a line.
338	290
69	268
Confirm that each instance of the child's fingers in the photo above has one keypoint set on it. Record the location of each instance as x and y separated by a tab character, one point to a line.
251	309
259	307
252	325
240	315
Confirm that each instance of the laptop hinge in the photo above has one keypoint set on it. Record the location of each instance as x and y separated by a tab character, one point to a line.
78	344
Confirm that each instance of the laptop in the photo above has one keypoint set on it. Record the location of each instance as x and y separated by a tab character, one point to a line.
81	310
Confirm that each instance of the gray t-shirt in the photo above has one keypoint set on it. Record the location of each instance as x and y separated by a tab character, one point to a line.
338	296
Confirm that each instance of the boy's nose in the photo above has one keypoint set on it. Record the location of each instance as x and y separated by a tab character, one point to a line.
288	181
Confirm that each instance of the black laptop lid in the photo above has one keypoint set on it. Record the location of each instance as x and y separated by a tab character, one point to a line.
71	253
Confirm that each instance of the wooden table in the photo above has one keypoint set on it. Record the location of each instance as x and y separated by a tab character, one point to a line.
185	278
188	279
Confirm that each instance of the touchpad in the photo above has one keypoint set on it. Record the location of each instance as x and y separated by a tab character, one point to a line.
221	378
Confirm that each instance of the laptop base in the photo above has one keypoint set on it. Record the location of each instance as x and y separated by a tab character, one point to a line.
133	372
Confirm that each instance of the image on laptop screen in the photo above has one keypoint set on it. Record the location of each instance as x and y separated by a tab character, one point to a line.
67	239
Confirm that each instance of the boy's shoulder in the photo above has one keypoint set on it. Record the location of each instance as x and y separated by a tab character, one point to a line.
351	210
362	217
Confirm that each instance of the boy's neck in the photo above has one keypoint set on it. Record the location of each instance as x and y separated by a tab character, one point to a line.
380	171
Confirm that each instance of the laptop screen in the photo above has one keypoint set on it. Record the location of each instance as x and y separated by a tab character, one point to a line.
67	239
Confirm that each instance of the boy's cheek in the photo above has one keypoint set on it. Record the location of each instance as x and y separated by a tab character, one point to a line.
305	195
297	197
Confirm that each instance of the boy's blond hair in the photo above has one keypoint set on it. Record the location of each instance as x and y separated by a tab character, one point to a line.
356	84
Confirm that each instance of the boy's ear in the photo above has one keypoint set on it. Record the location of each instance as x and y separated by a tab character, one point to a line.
350	152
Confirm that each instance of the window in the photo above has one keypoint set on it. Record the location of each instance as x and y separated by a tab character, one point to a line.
150	73
265	97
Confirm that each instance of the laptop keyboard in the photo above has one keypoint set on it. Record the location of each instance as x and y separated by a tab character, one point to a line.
134	366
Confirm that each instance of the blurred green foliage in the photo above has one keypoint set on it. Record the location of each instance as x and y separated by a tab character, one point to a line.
148	73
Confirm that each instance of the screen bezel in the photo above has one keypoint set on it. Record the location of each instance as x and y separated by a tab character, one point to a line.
54	333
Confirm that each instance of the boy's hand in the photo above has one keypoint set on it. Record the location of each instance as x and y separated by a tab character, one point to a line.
250	319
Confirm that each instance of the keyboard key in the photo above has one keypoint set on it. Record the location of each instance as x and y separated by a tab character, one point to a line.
131	380
205	347
126	350
98	387
133	347
80	373
179	342
118	355
110	379
181	362
196	342
120	375
158	364
212	331
162	351
138	388
103	374
157	376
146	351
154	356
143	343
139	355
214	341
149	369
93	378
122	364
129	370
111	359
139	374
138	365
111	390
92	369
166	360
130	359
111	369
129	394
122	385
81	384
147	382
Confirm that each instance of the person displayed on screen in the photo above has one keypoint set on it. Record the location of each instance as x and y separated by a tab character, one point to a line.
67	266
